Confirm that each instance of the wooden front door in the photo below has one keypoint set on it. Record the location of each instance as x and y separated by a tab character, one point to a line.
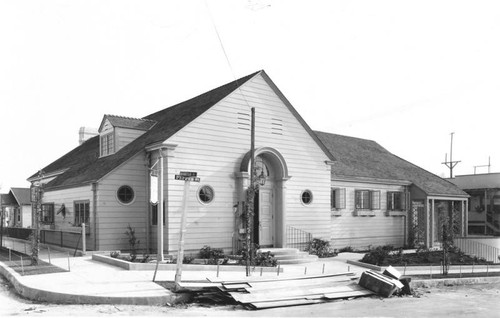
266	225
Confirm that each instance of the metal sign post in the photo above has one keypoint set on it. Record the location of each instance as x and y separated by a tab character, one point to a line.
187	177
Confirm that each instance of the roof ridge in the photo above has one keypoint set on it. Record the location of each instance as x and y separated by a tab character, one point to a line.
329	133
127	117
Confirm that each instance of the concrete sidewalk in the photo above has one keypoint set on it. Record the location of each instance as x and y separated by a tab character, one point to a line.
93	282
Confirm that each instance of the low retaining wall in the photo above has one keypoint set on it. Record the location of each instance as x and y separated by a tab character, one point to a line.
172	267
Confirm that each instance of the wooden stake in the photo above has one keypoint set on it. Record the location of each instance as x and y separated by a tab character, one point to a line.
22	265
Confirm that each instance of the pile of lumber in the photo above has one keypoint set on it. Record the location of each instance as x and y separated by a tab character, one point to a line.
279	292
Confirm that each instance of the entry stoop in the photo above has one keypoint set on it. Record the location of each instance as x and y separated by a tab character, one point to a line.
290	255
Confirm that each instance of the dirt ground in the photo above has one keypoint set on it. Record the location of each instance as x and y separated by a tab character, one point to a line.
451	301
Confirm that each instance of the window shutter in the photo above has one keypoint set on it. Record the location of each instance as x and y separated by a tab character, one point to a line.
404	199
375	200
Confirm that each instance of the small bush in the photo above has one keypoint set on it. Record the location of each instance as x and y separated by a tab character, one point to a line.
321	248
211	253
346	249
114	254
265	259
376	256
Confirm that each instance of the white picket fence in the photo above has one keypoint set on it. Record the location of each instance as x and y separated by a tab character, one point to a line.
472	247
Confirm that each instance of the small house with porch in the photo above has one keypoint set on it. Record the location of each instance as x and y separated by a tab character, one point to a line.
484	203
16	207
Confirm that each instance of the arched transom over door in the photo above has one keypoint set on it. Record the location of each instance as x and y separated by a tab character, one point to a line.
269	204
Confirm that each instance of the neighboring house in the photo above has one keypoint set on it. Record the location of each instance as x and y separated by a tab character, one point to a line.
379	198
484	206
118	178
17	208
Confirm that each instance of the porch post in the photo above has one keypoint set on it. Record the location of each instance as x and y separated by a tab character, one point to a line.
164	150
159	217
432	224
466	218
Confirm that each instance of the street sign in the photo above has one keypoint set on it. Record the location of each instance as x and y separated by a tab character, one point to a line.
186	178
188	173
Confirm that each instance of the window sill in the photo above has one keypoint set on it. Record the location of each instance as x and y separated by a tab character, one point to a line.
336	213
364	213
395	213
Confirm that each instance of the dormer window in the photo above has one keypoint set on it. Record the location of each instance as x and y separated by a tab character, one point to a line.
116	132
107	144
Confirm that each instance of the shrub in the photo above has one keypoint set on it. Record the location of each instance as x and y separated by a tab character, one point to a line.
211	253
265	259
319	247
377	255
346	249
133	242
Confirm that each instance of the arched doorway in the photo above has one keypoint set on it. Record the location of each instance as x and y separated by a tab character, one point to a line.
269	204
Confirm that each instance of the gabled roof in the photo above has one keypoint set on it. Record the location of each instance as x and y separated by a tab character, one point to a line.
22	195
84	165
128	122
361	158
7	199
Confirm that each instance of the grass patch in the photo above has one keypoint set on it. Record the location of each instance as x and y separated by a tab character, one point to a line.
24	267
387	255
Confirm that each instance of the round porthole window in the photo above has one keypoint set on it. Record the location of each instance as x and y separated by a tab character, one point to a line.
306	197
125	194
206	194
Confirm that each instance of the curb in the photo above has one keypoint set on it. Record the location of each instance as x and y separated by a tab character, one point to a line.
365	265
63	298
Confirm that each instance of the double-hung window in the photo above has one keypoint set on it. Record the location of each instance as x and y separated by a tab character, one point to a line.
396	201
107	144
47	216
82	212
367	200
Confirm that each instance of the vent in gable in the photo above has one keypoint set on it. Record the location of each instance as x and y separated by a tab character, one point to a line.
277	126
244	121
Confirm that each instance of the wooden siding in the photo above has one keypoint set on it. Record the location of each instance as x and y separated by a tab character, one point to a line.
214	145
360	232
68	198
124	136
26	216
113	217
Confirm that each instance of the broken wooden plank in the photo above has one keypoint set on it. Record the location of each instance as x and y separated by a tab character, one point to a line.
284	303
259	279
288	294
198	285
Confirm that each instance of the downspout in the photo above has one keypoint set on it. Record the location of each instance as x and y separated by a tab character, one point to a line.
94	214
147	200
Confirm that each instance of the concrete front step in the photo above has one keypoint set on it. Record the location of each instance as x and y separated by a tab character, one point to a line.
290	255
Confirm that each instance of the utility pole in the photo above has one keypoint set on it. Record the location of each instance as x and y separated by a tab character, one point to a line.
482	166
36	199
450	164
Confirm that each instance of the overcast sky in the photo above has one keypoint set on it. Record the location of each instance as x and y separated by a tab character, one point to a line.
403	73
